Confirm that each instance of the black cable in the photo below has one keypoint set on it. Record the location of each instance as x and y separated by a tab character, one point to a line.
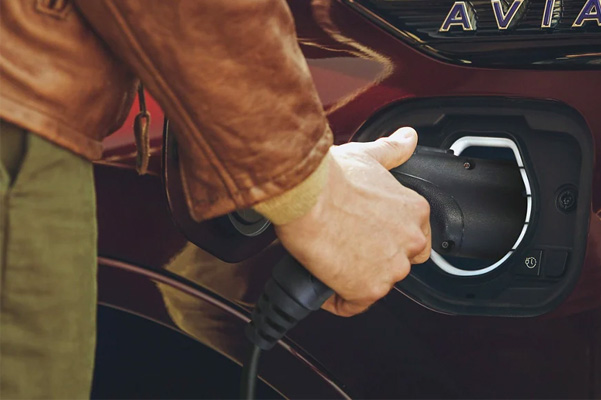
250	371
290	295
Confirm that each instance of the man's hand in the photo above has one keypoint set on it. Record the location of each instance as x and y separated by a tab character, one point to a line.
366	229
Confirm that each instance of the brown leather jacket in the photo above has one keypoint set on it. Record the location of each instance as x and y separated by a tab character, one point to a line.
228	73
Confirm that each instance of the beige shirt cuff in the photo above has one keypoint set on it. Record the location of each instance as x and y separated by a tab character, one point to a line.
297	201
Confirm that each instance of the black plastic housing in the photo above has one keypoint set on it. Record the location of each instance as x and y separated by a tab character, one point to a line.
477	206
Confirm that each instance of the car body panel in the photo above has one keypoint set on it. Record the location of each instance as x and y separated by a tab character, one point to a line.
398	349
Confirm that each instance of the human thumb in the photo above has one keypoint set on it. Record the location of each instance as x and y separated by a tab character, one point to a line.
393	150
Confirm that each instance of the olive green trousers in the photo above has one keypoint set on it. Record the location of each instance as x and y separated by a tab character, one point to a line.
47	269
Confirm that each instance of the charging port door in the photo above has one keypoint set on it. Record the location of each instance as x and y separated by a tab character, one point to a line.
528	250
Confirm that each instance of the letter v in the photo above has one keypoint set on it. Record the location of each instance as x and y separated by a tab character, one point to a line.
504	19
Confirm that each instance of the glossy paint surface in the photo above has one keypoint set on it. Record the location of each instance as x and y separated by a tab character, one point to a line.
397	349
487	33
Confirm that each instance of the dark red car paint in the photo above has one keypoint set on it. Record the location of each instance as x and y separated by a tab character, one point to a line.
398	349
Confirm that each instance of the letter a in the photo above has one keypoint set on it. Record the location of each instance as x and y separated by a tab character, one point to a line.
462	15
590	12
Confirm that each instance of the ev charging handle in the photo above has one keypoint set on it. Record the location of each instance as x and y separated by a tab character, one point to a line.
477	211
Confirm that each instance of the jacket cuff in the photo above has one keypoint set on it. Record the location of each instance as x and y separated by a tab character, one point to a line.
297	201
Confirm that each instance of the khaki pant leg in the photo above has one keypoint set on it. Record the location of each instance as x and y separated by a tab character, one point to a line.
48	272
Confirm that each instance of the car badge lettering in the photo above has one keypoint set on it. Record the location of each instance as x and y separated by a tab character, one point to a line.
551	14
505	17
591	11
461	14
507	14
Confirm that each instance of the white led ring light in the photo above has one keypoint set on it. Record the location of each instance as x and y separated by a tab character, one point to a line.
476	141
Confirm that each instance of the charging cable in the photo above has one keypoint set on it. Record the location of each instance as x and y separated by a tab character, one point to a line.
290	295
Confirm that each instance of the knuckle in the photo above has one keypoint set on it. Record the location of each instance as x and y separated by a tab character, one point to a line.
420	243
343	312
416	246
347	309
423	207
376	292
423	256
404	269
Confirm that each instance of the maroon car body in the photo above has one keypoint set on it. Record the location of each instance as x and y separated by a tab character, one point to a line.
149	272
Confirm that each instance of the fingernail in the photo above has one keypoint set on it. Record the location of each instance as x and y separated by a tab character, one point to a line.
409	133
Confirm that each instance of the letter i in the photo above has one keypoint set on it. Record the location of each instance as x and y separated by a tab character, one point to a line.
548	14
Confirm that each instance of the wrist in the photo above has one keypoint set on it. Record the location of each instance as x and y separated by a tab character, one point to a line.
297	201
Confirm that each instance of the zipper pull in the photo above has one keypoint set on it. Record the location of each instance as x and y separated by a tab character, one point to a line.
141	125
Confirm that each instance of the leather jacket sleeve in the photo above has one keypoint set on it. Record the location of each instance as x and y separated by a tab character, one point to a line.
231	78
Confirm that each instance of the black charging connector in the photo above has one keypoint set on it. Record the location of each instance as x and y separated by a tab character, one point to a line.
467	196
